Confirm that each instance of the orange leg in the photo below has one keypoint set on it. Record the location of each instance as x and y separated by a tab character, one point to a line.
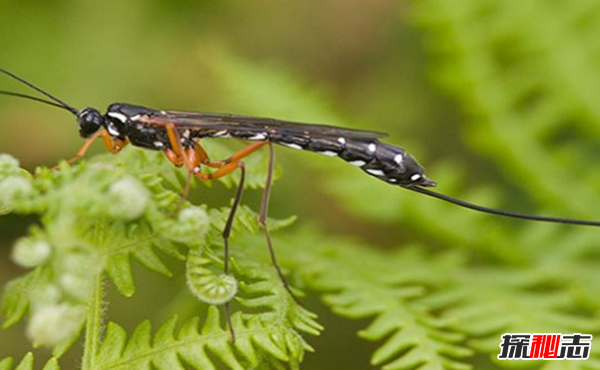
84	148
178	149
173	136
222	171
113	146
194	157
178	155
201	155
177	160
198	155
242	153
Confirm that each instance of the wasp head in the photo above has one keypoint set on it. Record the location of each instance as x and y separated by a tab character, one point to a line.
90	121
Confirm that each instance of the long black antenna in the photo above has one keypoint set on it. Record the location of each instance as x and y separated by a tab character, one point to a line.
48	95
498	212
49	102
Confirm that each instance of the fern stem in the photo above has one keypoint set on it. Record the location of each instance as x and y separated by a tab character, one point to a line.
93	326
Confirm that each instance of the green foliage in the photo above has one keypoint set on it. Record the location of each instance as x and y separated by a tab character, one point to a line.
526	77
360	283
27	363
98	216
503	64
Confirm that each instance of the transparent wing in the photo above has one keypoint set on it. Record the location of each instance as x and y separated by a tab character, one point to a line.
217	121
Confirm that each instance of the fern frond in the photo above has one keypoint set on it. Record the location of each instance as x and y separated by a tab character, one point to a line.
515	301
360	283
267	308
87	237
15	301
27	363
86	229
525	75
181	345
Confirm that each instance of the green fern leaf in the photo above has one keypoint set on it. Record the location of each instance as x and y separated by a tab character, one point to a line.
27	363
177	348
360	283
15	301
88	237
525	75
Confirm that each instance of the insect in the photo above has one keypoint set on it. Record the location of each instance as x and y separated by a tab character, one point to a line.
178	135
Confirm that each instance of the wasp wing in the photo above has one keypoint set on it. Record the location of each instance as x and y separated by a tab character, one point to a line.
218	121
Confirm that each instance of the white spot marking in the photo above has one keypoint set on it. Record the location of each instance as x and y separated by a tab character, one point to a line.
136	117
372	147
113	130
375	172
398	158
415	177
163	112
139	126
261	136
342	140
158	144
186	134
358	163
328	153
292	145
220	133
119	116
393	180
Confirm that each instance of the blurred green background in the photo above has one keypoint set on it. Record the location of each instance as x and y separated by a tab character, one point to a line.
375	65
354	64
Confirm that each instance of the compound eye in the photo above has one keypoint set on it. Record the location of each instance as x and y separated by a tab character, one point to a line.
90	121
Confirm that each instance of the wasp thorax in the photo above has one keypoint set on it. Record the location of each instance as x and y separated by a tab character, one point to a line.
90	121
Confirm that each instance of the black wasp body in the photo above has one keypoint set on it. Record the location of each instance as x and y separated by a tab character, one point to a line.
146	127
177	134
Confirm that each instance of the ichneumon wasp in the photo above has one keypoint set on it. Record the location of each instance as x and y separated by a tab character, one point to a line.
178	135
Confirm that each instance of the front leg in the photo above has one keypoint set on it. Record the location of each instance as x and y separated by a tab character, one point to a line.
113	146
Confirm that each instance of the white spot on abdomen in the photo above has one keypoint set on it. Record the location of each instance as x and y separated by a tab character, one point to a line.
398	158
257	137
358	163
220	133
372	147
328	153
375	172
292	145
